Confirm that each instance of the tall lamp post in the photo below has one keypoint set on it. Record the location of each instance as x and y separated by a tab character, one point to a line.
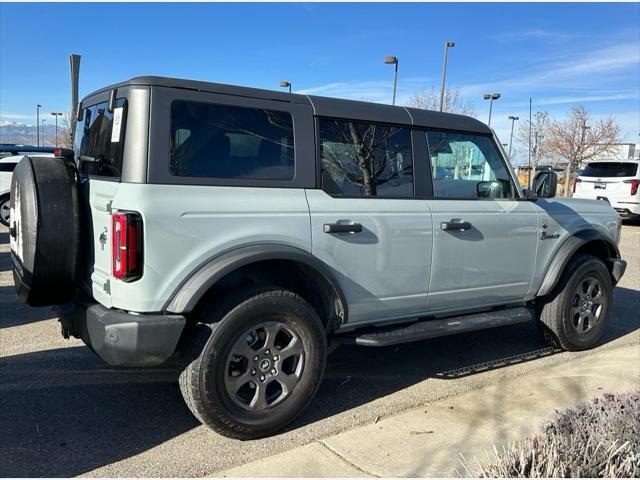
447	45
285	84
513	121
391	60
38	124
491	97
56	115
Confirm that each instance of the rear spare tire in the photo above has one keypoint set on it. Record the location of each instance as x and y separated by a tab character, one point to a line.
44	230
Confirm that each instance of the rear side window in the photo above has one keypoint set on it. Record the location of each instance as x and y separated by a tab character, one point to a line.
467	166
365	159
223	141
610	169
98	146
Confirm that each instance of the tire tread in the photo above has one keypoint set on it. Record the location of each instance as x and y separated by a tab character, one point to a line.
194	342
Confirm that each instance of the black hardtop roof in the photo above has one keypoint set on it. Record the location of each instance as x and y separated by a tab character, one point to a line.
323	106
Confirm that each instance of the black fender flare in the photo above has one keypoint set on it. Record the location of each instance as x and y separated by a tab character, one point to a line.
187	296
566	251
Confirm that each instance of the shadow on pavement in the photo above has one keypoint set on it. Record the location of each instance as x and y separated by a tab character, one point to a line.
631	222
64	412
357	375
15	313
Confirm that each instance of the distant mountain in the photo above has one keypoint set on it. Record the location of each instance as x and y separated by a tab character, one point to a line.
22	134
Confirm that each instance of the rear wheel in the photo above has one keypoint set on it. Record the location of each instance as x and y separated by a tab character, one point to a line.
5	207
573	317
253	366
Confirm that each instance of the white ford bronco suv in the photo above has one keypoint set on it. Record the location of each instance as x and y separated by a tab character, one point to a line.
249	231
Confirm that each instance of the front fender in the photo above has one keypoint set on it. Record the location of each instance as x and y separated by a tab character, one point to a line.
568	249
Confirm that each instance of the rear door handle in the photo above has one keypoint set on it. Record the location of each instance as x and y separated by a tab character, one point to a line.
342	228
455	224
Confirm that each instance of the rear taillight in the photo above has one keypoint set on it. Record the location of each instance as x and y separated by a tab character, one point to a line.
575	183
634	185
127	246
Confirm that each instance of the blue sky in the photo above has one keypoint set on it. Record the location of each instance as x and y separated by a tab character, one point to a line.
560	54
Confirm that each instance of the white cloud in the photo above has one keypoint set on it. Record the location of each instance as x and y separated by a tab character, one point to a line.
15	116
567	71
576	99
372	90
531	34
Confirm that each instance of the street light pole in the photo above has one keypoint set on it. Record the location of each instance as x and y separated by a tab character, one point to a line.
38	124
447	45
391	60
285	84
491	97
56	115
513	121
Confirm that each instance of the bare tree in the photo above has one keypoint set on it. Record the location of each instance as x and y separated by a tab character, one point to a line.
578	139
65	137
365	149
429	99
540	137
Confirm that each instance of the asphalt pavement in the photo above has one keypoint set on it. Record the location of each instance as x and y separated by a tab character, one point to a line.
63	412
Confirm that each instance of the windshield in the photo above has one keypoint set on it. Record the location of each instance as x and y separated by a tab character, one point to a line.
610	169
99	140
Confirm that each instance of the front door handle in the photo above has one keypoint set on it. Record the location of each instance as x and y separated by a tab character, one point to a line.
342	228
455	224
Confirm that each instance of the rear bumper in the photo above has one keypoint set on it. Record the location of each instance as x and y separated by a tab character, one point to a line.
625	207
627	210
122	338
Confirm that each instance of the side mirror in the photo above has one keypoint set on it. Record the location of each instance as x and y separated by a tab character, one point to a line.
545	184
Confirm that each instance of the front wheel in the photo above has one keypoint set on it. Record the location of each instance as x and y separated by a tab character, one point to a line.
5	208
573	317
254	367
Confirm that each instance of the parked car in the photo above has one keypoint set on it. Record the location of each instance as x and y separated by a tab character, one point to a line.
615	181
10	155
250	231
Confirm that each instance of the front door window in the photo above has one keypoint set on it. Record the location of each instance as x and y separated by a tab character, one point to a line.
467	166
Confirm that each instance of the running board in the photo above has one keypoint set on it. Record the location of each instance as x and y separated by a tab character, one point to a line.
424	329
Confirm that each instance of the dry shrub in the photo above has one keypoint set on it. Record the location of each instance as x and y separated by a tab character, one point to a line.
600	438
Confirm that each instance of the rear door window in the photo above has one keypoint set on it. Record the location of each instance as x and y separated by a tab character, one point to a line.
99	148
225	141
365	159
610	169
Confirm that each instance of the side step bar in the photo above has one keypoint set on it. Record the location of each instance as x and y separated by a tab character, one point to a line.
424	329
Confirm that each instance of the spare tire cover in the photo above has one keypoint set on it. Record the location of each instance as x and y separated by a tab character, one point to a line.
44	230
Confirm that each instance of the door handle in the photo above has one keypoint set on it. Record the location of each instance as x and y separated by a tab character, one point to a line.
342	228
455	224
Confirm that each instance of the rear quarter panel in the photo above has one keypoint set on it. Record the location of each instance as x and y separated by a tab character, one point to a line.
185	226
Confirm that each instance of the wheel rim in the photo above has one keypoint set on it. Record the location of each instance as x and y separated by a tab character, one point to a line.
587	304
4	211
264	366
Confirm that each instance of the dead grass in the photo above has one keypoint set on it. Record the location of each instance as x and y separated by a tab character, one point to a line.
600	438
